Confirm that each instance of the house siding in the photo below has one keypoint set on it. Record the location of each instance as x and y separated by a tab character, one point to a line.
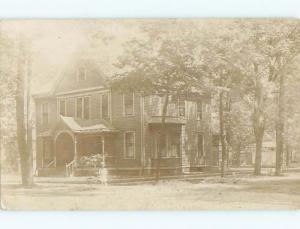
126	123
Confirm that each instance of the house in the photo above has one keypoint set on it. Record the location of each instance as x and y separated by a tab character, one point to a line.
81	117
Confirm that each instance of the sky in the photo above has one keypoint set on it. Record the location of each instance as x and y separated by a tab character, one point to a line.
55	42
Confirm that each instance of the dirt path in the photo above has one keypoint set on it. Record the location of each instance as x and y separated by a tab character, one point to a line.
234	193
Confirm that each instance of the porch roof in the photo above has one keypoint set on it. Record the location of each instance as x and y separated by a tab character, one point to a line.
87	126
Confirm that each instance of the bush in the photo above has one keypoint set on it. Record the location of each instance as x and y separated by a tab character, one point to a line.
90	161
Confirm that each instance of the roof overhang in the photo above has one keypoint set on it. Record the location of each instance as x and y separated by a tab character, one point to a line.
169	120
80	126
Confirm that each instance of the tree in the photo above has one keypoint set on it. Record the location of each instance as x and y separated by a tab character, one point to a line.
217	57
240	128
157	66
256	86
7	102
283	48
270	49
24	136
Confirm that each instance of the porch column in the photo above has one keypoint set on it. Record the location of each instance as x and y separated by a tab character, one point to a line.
75	150
103	148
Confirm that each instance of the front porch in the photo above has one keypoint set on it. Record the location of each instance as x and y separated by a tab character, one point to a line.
77	145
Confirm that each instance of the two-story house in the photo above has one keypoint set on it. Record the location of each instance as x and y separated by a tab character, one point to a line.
81	116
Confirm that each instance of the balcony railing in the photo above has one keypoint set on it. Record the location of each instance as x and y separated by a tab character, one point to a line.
175	108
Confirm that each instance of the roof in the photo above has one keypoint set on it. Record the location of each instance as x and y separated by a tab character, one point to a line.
81	126
67	81
87	126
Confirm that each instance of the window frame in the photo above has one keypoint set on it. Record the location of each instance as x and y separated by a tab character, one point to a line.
89	107
82	107
157	104
125	156
168	144
76	107
133	107
59	106
203	145
157	142
42	114
197	106
108	105
184	106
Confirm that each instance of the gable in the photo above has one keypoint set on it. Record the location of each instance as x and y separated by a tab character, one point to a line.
69	79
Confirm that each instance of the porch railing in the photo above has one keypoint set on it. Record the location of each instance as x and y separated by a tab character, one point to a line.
51	163
70	168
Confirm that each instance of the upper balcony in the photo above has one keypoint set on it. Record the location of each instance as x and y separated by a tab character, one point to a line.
176	112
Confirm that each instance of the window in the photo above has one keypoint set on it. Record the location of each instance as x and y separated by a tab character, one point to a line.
86	106
161	145
83	107
181	108
81	74
79	107
168	146
45	114
199	110
129	142
215	140
104	106
155	106
47	153
174	145
200	145
172	107
62	107
128	104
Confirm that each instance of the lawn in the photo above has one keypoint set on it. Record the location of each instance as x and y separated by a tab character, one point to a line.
231	193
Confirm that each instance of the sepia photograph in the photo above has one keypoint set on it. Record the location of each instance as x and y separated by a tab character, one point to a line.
150	114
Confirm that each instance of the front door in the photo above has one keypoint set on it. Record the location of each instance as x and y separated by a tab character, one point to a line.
64	149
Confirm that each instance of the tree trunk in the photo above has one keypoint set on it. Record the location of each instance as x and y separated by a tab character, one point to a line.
162	136
258	126
287	155
280	128
221	117
29	119
228	131
258	151
26	175
238	155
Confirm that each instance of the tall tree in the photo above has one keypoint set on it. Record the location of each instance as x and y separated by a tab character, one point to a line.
269	50
283	48
218	57
257	88
24	137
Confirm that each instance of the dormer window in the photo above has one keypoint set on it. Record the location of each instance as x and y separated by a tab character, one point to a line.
81	74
